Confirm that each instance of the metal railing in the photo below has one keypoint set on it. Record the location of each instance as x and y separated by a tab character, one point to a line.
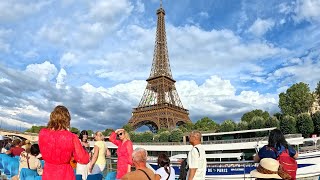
227	141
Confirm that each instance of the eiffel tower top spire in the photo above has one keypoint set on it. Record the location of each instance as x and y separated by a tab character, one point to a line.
160	64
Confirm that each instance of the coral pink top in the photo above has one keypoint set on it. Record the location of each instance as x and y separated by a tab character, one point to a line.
57	148
124	153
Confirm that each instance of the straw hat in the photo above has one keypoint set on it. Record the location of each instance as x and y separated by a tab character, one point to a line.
268	168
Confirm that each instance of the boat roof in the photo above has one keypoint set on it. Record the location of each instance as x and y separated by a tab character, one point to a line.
238	132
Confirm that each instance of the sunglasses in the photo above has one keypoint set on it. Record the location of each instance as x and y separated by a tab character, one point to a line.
120	134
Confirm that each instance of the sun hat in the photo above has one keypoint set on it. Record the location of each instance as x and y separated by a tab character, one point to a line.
268	168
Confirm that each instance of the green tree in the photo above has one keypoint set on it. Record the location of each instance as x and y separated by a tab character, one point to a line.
75	130
187	127
305	124
227	126
176	135
242	125
247	117
90	132
206	124
128	127
317	92
296	100
316	122
35	129
156	137
278	115
257	122
107	132
288	125
164	136
135	137
147	136
272	122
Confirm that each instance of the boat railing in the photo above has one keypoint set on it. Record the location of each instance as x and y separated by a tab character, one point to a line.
226	141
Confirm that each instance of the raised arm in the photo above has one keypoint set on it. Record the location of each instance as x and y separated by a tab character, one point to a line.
80	154
114	140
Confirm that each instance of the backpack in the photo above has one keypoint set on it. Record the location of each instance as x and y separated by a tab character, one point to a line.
288	163
184	168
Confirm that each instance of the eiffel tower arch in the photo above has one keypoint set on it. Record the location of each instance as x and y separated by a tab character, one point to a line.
160	106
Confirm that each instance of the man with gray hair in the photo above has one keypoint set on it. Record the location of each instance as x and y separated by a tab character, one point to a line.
139	158
197	161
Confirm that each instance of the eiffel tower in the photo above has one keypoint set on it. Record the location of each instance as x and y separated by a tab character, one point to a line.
160	106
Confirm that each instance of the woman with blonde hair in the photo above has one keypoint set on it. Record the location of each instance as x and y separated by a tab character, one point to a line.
122	139
58	145
100	150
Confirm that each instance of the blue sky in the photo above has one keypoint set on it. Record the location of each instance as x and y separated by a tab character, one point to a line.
228	57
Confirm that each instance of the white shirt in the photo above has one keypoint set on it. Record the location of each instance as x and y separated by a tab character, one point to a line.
163	174
199	162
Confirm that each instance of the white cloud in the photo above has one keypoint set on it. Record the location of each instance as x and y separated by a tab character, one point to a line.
140	7
43	72
109	11
261	26
203	14
217	98
4	45
307	10
305	69
61	78
68	59
14	10
87	29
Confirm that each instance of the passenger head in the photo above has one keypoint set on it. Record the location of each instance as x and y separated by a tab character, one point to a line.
83	136
195	137
27	146
16	142
139	155
34	150
98	136
123	135
59	118
163	160
276	139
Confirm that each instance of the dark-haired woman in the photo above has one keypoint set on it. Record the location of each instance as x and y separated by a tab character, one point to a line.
165	171
83	168
276	145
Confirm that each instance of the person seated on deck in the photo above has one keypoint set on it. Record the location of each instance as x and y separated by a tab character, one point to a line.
16	149
142	172
28	159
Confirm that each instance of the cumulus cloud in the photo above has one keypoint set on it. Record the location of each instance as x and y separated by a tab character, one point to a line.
43	72
99	107
4	45
220	101
307	10
15	10
60	78
87	29
305	69
68	59
261	26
